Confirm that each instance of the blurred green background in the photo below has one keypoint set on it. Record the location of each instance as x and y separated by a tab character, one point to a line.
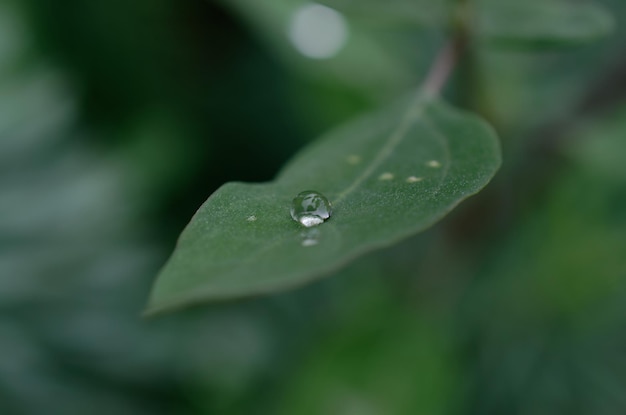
118	119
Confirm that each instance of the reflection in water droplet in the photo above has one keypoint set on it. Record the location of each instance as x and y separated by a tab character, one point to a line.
310	208
310	237
385	176
434	164
251	218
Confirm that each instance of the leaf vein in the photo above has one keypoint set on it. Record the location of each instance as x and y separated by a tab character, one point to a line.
414	112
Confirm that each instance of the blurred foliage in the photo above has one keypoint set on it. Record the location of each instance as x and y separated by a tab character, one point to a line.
118	119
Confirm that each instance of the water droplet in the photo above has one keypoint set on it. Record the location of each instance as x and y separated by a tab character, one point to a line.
434	164
353	159
413	179
310	208
385	176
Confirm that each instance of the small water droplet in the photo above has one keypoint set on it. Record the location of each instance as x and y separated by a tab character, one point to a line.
434	164
413	179
310	208
353	159
251	218
385	176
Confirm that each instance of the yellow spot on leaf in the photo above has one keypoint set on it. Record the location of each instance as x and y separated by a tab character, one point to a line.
353	159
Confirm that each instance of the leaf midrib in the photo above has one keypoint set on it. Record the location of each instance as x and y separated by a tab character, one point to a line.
391	143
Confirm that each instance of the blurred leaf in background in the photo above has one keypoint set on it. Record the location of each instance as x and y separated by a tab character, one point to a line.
96	150
118	119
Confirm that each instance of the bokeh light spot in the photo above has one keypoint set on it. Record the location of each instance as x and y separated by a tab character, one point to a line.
317	31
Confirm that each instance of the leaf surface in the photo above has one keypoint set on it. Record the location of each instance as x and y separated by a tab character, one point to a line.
420	13
541	23
528	23
388	175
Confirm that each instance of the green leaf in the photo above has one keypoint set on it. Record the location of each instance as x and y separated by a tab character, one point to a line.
384	54
420	13
389	175
528	23
542	23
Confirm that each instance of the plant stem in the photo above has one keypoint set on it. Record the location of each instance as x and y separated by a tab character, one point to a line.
450	54
441	69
